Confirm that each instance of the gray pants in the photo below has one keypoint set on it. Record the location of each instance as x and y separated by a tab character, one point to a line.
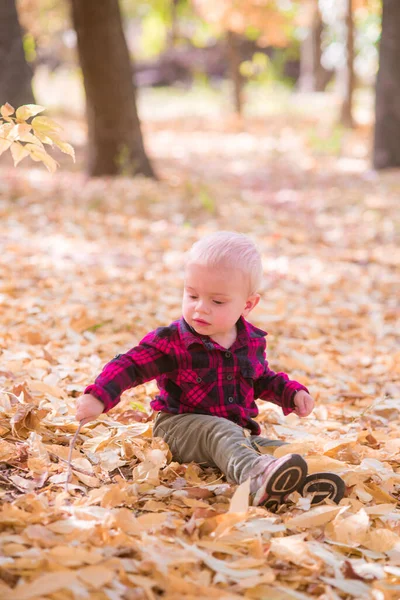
211	441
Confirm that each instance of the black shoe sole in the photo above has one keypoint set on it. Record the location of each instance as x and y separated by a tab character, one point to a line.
323	486
287	478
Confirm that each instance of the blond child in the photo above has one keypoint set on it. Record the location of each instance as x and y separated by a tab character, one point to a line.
210	367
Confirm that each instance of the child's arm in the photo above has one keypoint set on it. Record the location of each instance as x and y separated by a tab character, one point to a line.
291	395
142	363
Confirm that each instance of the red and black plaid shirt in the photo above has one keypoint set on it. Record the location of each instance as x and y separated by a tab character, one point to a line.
196	375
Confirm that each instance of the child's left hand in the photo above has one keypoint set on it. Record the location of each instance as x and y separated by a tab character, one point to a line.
304	404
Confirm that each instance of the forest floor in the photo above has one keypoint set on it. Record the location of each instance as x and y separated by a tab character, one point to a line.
89	266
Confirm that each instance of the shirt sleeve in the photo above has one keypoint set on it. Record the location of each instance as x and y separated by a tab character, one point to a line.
277	388
146	361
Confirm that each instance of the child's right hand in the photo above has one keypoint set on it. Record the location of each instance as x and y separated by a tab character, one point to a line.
88	408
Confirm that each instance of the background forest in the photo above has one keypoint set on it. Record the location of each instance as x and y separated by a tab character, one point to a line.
158	122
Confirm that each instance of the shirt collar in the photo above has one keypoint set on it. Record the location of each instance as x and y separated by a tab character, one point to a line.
189	336
245	331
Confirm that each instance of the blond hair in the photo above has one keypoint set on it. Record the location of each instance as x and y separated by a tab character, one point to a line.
230	250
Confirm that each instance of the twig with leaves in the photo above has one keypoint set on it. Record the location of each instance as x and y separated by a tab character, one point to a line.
28	139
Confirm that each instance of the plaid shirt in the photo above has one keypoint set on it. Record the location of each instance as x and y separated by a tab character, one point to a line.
196	375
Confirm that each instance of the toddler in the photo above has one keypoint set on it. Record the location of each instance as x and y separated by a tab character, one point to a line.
210	367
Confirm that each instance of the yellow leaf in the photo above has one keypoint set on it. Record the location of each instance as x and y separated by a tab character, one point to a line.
320	515
45	388
31	139
8	451
324	463
351	531
381	540
217	565
151	521
240	499
127	522
26	484
305	448
4	145
5	590
68	556
18	153
96	576
194	503
27	418
39	154
28	110
154	506
379	509
226	521
5	140
8	133
45	584
43	138
6	110
379	494
87	479
22	128
357	589
292	548
64	147
45	125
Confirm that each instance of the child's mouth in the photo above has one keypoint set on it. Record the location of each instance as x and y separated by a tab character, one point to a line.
201	322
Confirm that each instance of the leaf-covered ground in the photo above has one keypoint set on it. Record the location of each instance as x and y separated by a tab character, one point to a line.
88	267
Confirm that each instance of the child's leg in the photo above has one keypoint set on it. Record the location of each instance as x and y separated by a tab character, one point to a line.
208	440
216	441
318	486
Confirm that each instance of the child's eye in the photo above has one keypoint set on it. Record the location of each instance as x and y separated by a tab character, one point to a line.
192	297
218	302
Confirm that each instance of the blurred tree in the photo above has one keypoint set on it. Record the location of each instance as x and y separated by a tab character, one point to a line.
173	33
313	76
234	61
268	21
15	73
160	24
386	152
346	116
115	138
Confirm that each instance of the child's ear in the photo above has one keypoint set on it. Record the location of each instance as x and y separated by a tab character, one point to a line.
251	303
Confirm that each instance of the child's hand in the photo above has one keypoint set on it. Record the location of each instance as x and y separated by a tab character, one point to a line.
88	408
304	404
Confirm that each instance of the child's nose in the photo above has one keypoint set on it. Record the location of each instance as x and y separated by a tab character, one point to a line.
202	306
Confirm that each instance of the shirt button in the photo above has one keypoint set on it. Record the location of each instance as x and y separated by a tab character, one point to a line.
230	399
229	377
228	354
198	379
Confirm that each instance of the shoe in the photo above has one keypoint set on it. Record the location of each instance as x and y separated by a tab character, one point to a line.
273	479
323	486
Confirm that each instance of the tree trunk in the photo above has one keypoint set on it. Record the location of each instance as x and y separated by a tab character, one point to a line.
387	105
346	117
234	60
115	138
15	73
313	76
173	33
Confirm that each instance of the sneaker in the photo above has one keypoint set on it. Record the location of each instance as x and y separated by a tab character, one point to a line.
323	486
272	479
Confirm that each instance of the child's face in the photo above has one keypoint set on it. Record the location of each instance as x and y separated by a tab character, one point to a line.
215	298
